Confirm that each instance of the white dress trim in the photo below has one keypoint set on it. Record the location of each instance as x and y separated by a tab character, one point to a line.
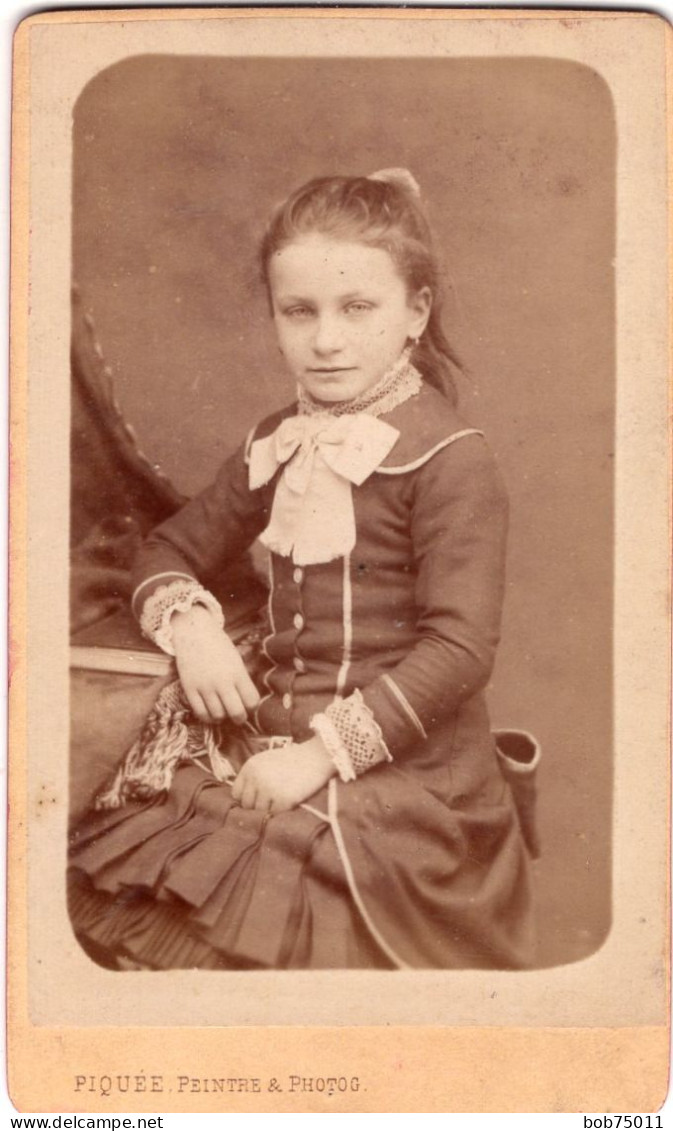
156	577
323	726
333	818
248	444
347	614
401	469
405	705
177	597
272	633
524	738
396	386
351	735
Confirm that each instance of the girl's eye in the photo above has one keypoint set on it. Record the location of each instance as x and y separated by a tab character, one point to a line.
298	312
358	307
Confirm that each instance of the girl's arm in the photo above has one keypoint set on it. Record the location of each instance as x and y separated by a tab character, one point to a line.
185	552
204	536
458	526
459	533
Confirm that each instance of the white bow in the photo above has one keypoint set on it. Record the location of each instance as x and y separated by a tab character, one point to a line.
312	516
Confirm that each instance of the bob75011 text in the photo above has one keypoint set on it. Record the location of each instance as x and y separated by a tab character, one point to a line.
614	1122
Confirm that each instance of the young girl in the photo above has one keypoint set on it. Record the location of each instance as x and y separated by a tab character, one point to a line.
354	811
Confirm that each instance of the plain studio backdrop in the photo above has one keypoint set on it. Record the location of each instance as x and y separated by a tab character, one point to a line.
178	162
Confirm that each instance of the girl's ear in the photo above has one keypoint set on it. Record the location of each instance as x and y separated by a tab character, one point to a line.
420	304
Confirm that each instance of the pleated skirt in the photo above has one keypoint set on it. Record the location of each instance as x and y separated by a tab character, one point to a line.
381	873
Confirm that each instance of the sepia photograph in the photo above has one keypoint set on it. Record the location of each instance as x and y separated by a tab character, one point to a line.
344	798
330	429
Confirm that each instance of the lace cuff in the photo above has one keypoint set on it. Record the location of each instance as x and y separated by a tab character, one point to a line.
178	597
352	736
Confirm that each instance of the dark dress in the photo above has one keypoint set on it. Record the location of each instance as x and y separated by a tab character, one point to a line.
420	862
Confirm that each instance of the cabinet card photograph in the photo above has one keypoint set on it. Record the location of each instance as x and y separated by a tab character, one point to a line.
339	750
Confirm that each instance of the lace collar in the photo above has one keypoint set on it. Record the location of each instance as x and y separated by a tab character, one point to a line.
394	388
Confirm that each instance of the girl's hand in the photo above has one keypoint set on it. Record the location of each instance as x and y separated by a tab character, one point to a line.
277	780
212	673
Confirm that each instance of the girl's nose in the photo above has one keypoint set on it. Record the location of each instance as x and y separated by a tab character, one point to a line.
328	336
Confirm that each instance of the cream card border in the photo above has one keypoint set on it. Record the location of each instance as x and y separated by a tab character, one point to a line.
54	989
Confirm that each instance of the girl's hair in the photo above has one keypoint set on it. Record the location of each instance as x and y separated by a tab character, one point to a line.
384	213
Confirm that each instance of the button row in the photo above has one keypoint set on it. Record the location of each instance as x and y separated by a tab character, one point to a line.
298	621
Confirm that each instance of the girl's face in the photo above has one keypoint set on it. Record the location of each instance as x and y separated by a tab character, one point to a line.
342	313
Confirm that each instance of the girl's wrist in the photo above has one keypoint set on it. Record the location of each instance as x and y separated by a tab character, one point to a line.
315	749
193	621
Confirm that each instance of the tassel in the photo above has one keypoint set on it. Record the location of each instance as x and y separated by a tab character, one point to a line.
170	736
166	739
